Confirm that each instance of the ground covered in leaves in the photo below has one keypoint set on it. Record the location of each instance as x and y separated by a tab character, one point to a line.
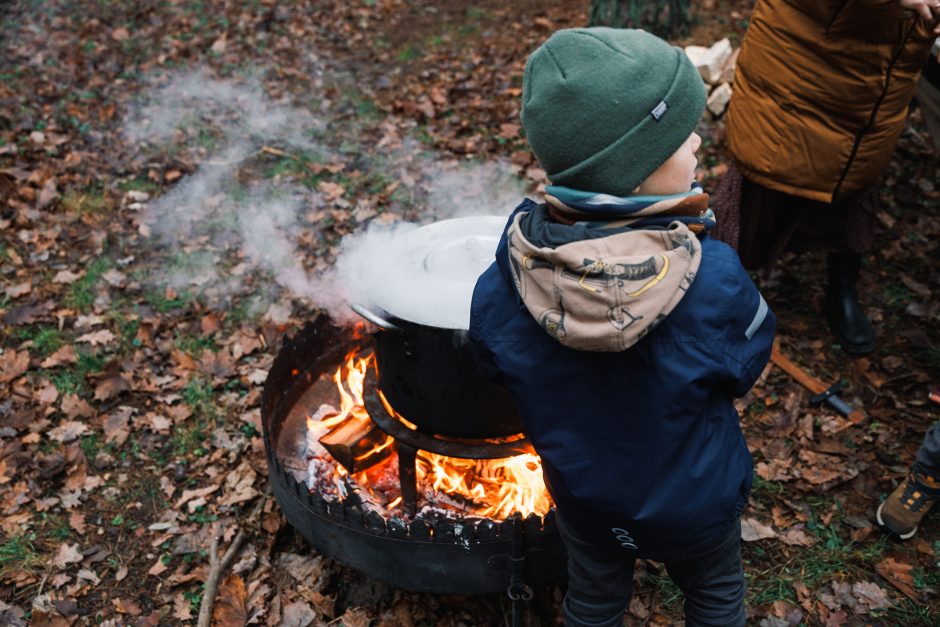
173	179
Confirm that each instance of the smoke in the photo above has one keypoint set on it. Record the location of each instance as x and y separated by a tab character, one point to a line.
426	279
231	230
196	101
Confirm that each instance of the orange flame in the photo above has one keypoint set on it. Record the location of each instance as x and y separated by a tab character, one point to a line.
494	488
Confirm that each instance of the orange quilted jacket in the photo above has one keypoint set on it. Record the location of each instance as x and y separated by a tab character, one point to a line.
821	93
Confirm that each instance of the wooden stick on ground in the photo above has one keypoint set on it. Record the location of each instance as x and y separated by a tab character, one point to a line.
218	567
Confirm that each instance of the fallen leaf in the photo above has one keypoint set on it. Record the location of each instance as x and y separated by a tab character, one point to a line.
13	364
67	554
797	537
753	530
509	131
73	406
297	614
210	324
65	355
97	338
638	607
871	595
189	495
219	45
230	608
48	194
77	522
157	568
915	286
181	607
356	617
332	191
899	575
65	277
114	277
126	606
111	386
326	604
817	475
88	575
239	485
47	394
68	431
116	429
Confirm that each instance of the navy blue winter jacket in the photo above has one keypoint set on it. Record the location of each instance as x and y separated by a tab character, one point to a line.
640	448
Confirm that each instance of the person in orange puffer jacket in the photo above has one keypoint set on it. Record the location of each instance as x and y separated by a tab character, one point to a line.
821	95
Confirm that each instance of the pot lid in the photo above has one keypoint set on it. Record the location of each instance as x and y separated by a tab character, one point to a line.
431	271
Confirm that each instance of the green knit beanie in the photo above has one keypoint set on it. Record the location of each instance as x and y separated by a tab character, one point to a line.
603	108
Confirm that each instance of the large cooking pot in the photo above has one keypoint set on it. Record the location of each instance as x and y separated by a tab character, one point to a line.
422	309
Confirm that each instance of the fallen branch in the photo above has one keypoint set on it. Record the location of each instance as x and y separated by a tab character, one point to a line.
218	567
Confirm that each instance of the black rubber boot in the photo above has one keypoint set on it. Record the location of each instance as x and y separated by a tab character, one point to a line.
846	319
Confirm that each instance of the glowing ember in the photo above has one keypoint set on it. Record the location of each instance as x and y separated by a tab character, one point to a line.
493	488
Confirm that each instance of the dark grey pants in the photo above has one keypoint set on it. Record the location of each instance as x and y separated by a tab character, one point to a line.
927	461
600	583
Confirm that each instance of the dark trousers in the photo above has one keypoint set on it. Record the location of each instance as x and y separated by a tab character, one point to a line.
600	583
927	461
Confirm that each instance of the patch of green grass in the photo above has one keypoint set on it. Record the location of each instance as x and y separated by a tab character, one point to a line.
476	13
81	294
165	304
56	527
18	553
91	446
243	310
896	294
761	488
195	345
189	440
199	395
195	599
668	597
906	612
139	184
408	53
201	517
68	382
832	557
72	380
127	328
45	340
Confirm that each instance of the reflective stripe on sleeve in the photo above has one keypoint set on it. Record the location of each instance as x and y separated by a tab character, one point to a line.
758	318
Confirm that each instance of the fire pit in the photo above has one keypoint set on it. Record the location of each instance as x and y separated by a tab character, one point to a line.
447	545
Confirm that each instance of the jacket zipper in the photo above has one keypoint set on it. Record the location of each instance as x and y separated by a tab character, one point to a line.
874	111
835	16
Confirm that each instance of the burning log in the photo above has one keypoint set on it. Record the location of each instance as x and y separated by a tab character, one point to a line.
357	444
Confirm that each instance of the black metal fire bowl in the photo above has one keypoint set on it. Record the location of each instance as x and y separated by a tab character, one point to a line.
470	556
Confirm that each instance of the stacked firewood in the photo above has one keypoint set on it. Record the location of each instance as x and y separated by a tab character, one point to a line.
716	65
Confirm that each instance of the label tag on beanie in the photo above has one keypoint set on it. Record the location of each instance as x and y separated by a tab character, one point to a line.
659	111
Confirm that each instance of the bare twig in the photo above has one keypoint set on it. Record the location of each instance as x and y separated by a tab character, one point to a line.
218	567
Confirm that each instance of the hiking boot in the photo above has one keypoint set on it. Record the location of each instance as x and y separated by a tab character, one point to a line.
902	511
847	321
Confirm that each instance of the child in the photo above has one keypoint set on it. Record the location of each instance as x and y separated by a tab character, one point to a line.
623	331
904	508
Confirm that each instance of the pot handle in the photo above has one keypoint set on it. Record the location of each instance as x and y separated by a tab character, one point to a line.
375	319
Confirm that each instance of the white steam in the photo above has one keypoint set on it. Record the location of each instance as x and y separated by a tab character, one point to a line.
230	231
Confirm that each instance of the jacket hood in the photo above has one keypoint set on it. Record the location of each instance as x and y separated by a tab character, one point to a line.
604	292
